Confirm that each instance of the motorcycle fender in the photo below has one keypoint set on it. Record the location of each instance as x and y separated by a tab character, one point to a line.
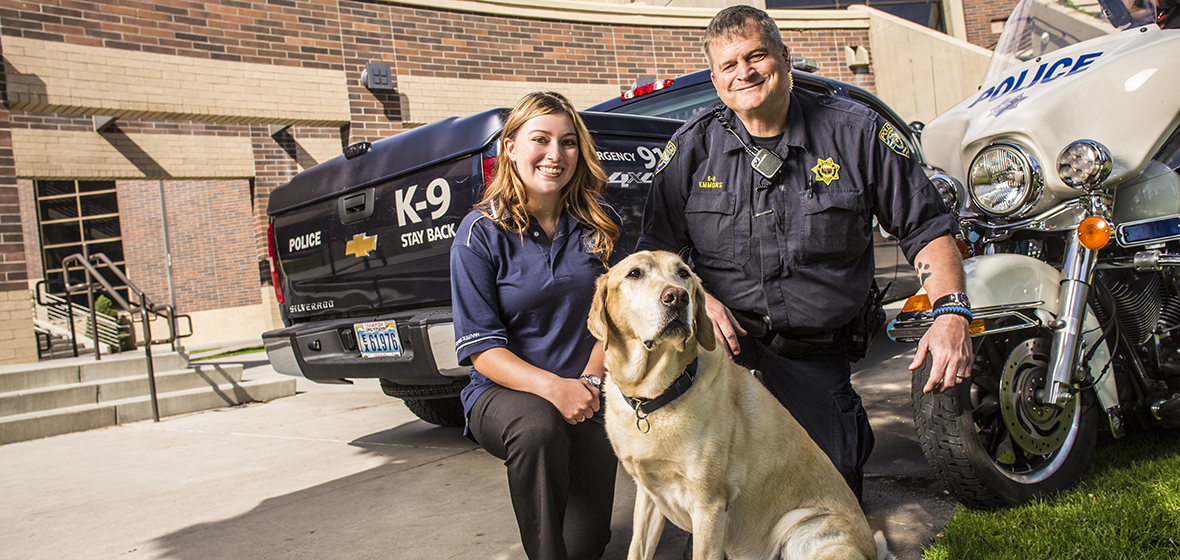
1019	281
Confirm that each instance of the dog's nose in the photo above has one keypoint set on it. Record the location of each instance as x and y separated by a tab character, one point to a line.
674	296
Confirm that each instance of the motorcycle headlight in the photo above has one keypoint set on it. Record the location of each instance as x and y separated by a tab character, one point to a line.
1084	164
1004	180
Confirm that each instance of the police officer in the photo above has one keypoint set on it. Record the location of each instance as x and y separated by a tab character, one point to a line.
772	196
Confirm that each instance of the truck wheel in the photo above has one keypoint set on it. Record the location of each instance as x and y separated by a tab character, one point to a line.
440	412
989	441
436	404
420	392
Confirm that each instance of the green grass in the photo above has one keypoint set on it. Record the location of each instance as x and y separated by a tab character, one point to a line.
1127	506
248	350
204	350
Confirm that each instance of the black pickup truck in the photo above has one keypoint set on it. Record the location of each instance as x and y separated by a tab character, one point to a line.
360	244
361	248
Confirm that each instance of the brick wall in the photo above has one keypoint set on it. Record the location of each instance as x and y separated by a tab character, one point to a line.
292	33
17	342
980	15
367	35
213	255
13	274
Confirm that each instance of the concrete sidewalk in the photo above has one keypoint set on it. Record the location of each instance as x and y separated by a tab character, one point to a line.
342	471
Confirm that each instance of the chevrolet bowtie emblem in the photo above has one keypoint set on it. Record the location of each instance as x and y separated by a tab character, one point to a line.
361	245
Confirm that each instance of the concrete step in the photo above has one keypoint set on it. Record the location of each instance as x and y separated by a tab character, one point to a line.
22	377
22	427
103	390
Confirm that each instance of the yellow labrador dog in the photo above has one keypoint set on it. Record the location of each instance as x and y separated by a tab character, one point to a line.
708	446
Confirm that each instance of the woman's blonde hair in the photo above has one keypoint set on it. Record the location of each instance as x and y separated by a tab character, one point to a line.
505	200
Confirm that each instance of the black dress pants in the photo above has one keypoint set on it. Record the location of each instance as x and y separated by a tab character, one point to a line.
561	476
817	391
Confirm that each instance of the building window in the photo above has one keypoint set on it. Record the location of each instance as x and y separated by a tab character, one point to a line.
921	12
78	217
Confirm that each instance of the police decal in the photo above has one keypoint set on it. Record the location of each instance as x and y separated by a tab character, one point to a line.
669	151
826	170
890	137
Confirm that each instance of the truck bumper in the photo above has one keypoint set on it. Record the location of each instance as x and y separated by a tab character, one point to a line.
326	352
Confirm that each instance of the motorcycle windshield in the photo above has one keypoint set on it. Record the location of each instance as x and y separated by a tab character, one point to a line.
1039	27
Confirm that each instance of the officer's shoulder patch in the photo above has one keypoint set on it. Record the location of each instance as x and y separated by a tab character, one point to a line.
890	137
666	156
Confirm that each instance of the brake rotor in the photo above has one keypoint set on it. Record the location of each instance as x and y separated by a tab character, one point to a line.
1034	427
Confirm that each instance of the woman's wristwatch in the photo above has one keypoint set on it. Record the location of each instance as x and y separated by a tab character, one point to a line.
594	380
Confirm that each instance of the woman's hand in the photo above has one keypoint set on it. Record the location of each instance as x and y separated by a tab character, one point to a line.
575	399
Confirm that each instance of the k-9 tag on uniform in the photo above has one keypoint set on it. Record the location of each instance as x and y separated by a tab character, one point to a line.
767	163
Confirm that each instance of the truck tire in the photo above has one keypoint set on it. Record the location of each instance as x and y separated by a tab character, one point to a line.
436	404
447	413
972	436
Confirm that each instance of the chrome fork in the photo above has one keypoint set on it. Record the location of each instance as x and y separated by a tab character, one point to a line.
1076	276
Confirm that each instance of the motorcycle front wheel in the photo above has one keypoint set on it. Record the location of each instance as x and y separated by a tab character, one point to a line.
989	440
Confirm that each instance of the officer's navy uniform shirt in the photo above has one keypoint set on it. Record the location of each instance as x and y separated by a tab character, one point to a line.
531	296
799	249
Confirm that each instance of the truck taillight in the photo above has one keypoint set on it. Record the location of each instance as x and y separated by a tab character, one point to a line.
274	261
645	89
489	167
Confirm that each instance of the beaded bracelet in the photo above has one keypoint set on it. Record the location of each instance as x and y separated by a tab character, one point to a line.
953	310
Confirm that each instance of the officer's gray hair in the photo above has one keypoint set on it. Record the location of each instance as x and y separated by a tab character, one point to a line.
732	22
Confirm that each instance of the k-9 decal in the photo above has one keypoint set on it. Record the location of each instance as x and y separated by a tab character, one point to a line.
435	198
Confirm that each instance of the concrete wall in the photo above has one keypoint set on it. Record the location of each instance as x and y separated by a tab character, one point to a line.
921	72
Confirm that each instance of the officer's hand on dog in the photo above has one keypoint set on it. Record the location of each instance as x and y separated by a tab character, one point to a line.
725	326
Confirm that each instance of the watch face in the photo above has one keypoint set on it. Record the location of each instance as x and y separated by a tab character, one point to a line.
954	299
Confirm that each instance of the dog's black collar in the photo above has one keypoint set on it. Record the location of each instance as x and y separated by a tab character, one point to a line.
643	407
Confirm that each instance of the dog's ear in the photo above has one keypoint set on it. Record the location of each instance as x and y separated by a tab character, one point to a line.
704	326
597	320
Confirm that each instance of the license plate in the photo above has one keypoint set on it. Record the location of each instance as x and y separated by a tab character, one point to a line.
378	339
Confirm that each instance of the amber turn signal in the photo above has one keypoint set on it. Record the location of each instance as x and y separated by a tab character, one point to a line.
918	302
1094	232
964	248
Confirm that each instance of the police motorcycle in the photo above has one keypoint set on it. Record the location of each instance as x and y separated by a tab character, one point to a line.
1063	171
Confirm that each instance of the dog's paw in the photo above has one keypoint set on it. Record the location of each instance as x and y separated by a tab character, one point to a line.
882	547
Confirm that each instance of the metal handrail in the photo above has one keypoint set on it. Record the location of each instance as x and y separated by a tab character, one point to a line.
64	313
95	280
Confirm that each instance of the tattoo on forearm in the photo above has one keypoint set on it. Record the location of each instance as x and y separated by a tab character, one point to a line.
923	272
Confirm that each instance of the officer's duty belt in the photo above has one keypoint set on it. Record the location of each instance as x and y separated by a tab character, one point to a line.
784	343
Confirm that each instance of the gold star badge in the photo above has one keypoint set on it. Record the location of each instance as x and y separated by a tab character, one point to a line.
826	170
361	245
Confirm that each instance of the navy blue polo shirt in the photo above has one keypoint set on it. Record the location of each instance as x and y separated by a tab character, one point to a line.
797	249
529	295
